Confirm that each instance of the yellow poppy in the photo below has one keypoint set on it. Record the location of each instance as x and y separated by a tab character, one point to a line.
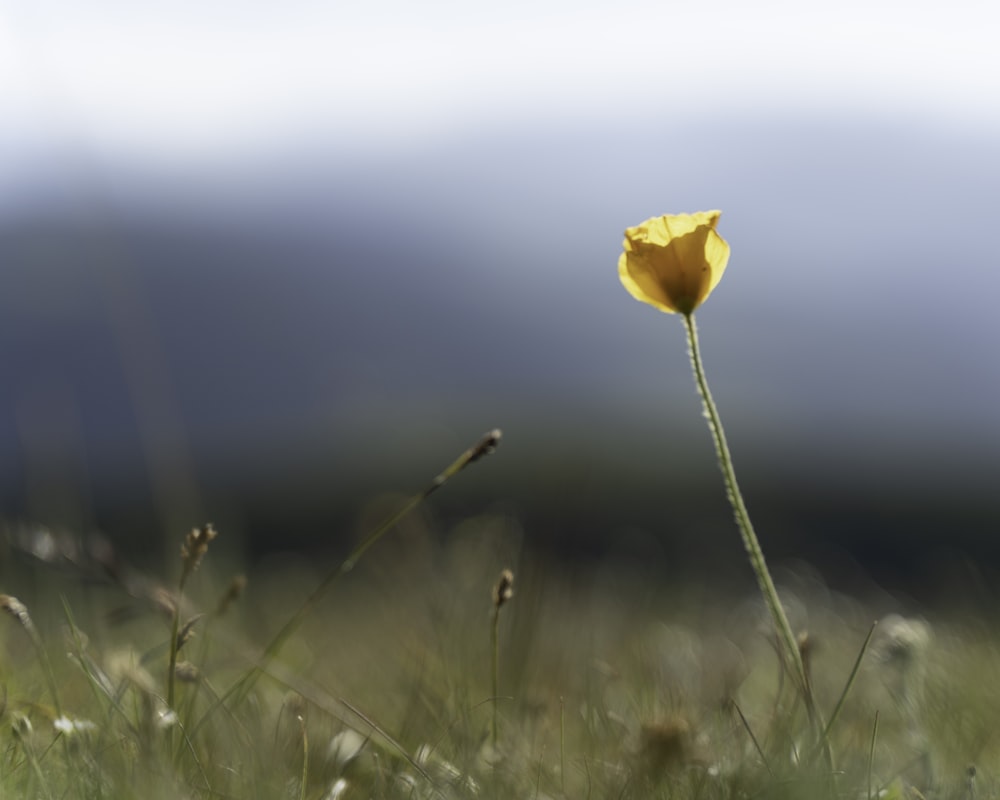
673	262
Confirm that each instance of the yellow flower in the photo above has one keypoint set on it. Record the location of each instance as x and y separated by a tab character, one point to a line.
673	262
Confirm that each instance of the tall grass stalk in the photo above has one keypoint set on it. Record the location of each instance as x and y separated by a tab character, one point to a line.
835	714
19	611
22	733
192	551
502	593
238	692
304	785
871	756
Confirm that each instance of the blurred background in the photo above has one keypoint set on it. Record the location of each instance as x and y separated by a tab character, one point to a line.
261	262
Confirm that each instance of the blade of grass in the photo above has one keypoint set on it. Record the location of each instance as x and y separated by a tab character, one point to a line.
753	738
847	687
19	612
328	704
562	745
31	758
871	755
99	682
305	759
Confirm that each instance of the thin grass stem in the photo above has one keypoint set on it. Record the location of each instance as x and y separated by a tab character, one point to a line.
192	552
239	690
495	650
503	591
303	788
16	609
753	738
485	446
562	745
871	755
36	767
175	623
850	681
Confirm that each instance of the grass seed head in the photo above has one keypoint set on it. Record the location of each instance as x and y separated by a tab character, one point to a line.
194	548
164	601
125	667
487	445
504	589
186	672
186	632
233	593
19	611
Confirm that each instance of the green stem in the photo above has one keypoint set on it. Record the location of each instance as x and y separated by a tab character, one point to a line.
495	647
750	541
486	445
175	626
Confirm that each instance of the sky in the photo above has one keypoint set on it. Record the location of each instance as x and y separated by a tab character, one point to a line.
286	224
183	80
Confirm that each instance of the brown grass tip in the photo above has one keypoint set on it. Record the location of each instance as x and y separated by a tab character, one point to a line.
186	672
504	589
487	445
233	593
186	632
195	546
18	611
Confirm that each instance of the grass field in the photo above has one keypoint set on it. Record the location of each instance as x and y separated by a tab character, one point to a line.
609	683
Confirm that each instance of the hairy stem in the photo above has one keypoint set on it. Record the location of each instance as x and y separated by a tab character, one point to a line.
750	542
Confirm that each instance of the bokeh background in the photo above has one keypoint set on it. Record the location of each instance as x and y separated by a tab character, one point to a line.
259	262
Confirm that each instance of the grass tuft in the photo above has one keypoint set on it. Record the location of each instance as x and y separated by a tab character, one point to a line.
389	692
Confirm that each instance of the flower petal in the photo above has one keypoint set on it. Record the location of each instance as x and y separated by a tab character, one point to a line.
674	262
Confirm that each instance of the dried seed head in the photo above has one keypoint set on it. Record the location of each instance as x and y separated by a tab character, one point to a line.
194	548
186	631
186	672
164	601
504	589
125	666
232	594
487	445
19	611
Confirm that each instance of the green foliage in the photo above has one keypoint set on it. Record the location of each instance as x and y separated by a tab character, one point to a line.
611	687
